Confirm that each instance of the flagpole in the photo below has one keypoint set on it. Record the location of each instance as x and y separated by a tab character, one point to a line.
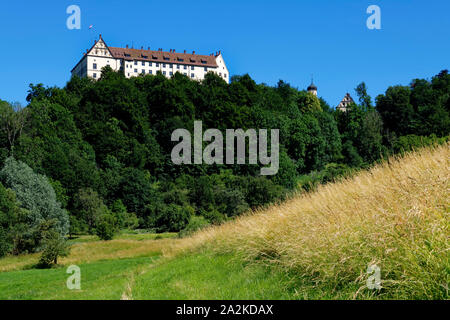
92	35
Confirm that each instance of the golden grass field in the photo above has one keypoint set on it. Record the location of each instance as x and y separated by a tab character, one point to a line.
395	215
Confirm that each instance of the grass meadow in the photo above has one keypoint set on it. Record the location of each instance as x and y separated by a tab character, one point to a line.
314	246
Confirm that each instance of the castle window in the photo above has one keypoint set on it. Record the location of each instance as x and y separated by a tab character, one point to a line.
149	64
94	66
150	72
157	65
206	69
192	67
94	75
143	63
192	75
178	66
164	73
135	63
171	73
164	65
135	70
185	67
143	71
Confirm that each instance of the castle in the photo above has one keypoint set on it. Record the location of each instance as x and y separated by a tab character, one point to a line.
133	62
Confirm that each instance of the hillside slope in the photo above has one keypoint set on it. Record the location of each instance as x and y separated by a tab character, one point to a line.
395	216
314	246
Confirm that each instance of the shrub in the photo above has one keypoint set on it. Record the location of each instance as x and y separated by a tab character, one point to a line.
171	217
212	215
124	219
230	201
54	246
195	223
413	142
5	243
88	207
106	227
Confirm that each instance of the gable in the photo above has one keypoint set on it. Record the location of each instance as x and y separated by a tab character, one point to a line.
100	49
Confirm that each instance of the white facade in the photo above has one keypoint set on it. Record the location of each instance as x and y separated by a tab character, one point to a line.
344	105
134	62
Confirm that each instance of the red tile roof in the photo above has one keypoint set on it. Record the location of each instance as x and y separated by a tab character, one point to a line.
163	56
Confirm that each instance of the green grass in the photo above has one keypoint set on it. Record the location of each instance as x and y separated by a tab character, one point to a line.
201	275
99	280
210	276
197	276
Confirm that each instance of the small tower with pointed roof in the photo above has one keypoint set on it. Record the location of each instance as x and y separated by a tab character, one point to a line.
312	87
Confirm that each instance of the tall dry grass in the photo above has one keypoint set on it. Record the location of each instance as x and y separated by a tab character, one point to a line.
395	215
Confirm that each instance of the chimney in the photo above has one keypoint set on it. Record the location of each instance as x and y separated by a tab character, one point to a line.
127	46
100	36
184	51
148	49
193	52
142	47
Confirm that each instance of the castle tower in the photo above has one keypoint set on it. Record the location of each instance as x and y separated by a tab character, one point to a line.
312	88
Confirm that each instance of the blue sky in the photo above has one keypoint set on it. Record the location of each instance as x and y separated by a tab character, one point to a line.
270	40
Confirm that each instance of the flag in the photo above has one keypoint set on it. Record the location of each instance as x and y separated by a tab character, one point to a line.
91	26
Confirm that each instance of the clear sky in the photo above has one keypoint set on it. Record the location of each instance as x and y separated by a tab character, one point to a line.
270	40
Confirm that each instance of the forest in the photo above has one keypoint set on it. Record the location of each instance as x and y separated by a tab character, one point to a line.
94	157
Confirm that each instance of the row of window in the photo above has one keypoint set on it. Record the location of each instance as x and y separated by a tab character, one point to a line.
94	75
164	65
164	73
94	66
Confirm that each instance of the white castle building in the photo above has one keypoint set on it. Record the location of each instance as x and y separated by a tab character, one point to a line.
135	62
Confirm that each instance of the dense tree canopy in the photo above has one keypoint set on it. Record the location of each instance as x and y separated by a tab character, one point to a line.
104	147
